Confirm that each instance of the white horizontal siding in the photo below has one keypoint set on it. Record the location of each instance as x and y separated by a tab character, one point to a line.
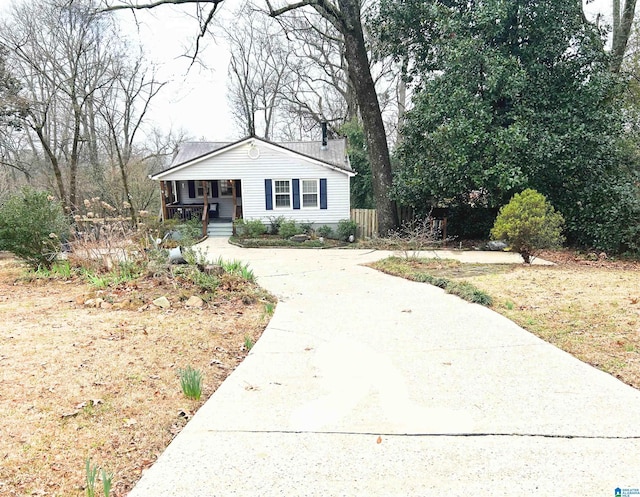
271	164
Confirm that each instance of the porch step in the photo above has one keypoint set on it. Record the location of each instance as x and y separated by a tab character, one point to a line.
220	229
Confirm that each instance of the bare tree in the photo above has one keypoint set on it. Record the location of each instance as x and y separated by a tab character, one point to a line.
258	70
61	56
346	17
123	108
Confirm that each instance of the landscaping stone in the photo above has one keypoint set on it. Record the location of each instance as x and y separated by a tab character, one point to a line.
162	302
194	301
213	269
496	245
300	238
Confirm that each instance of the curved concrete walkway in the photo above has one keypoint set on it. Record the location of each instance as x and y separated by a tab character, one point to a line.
367	384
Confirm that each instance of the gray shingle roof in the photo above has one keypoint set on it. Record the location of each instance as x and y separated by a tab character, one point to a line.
192	150
334	154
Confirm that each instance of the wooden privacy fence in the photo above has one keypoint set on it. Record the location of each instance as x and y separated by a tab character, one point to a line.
367	220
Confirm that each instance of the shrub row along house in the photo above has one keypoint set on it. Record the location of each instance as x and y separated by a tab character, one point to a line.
252	178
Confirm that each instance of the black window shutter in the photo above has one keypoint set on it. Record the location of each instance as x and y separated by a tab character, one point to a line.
268	194
192	188
214	189
323	193
296	193
238	189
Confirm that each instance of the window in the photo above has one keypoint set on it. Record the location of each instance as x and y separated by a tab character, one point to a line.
226	188
282	191
309	193
200	190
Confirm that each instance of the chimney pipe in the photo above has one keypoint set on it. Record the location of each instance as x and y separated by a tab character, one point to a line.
324	135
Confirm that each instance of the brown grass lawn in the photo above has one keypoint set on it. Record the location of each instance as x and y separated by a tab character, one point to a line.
591	309
83	382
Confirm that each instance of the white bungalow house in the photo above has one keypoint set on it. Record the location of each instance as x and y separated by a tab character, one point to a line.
257	179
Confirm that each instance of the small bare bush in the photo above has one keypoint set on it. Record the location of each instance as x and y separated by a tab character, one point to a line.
416	235
100	246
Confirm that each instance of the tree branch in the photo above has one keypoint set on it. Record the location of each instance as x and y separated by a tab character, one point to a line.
323	7
158	3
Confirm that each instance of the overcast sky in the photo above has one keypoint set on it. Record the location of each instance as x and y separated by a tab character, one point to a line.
196	98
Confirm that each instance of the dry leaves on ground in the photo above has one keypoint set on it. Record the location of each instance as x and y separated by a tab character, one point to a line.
83	382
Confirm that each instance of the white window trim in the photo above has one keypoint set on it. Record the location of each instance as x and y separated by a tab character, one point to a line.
175	192
317	182
274	194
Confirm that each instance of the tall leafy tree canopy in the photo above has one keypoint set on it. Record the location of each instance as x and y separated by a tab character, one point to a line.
511	95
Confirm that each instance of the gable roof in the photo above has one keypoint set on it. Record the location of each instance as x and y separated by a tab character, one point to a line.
334	155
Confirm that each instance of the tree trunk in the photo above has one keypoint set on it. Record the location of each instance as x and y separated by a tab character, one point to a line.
402	98
53	160
622	22
377	147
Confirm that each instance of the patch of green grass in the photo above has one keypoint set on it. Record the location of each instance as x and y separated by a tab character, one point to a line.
206	282
191	383
97	281
269	308
59	270
107	482
238	268
421	270
468	292
91	475
124	272
248	342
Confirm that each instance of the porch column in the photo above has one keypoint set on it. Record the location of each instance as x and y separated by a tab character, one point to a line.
163	200
235	201
205	209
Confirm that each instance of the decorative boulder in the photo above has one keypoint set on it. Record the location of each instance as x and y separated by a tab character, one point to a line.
300	238
496	245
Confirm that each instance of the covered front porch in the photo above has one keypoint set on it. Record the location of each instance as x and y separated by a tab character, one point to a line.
216	203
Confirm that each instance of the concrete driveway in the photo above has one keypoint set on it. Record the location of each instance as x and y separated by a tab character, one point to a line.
367	384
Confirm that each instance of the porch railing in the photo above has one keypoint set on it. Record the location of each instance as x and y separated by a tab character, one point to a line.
185	212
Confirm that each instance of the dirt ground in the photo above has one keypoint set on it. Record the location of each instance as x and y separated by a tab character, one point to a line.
102	382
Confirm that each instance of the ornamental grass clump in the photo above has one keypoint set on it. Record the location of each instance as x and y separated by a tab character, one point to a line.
191	383
529	224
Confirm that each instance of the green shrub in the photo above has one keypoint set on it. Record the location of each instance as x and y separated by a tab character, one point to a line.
529	224
189	232
288	228
306	227
274	224
32	227
346	228
325	231
253	228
